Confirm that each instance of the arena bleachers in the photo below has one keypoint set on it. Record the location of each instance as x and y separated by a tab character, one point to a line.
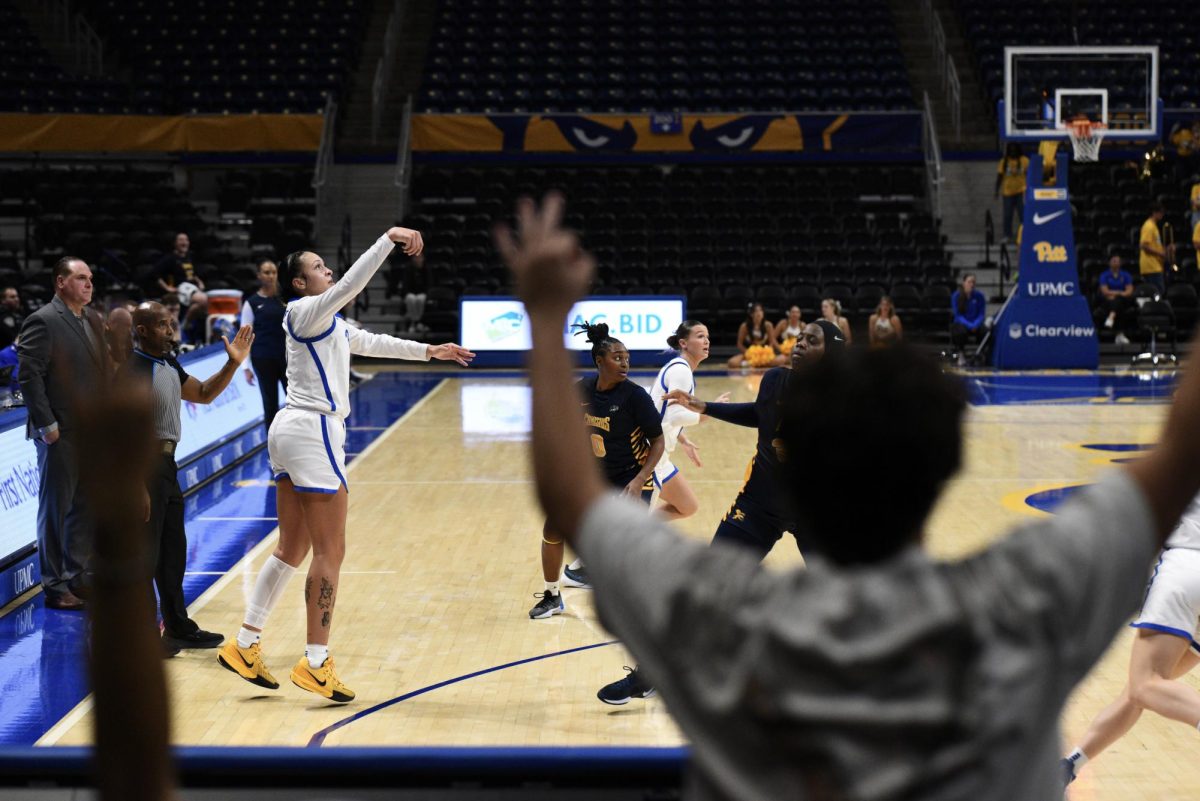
121	218
634	55
722	236
1111	202
31	82
992	26
207	56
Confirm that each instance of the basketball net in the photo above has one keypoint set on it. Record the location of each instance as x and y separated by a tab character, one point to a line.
1086	137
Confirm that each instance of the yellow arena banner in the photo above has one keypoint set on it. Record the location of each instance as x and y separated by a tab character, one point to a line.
130	133
666	133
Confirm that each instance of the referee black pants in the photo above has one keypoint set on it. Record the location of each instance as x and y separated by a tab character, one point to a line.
168	545
270	372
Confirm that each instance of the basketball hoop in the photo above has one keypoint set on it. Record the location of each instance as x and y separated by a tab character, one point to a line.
1086	137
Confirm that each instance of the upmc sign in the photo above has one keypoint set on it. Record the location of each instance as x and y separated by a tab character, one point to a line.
1046	322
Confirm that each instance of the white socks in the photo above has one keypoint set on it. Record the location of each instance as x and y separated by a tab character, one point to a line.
268	589
1077	758
552	587
317	654
247	637
578	563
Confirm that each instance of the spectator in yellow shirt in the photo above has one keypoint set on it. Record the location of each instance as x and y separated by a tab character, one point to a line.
1048	149
1195	212
1152	254
1010	182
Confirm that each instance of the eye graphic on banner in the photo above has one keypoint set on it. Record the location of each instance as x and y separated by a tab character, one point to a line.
740	134
582	133
666	132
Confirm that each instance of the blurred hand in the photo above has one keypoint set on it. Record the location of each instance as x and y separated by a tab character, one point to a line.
145	505
449	352
692	450
239	348
51	437
249	376
634	488
551	270
410	241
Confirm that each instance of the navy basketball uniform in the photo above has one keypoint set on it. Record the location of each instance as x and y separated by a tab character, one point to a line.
621	422
760	513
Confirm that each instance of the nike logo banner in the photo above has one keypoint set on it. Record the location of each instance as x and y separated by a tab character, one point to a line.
1046	322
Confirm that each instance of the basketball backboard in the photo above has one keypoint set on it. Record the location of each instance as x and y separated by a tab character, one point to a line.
1047	87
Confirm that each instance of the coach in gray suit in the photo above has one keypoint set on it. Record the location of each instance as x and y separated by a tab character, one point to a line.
63	361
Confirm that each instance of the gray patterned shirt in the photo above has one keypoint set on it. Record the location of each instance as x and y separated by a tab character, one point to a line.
167	377
911	679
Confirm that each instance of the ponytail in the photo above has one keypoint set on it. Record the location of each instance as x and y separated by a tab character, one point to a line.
682	332
291	269
597	334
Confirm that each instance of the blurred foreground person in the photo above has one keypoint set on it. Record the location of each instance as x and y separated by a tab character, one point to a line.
132	735
877	673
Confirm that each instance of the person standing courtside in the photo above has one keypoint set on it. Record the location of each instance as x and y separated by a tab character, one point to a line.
153	360
264	311
1152	256
10	315
62	358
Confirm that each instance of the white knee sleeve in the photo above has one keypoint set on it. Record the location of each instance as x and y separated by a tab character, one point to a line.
268	589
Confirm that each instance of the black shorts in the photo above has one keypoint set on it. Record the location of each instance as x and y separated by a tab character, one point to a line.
621	481
750	524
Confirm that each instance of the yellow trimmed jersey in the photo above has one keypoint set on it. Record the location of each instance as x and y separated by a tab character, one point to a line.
1013	170
621	422
1146	263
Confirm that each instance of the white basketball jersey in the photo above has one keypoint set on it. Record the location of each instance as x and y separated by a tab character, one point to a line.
319	341
1187	532
675	374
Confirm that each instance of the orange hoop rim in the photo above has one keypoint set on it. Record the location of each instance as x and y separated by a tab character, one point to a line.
1080	129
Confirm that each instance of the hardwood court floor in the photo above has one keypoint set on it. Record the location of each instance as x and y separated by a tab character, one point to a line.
442	565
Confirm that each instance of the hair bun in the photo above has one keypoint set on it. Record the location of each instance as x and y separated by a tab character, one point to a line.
673	341
597	332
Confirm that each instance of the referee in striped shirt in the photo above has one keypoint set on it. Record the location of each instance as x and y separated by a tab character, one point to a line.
153	361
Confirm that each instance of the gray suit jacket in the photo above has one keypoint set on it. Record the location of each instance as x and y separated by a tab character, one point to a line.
58	367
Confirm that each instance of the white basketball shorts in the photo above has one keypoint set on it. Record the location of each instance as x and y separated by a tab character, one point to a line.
664	471
309	448
1172	602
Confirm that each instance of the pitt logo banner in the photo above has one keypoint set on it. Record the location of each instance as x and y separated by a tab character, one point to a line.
896	132
1051	253
1046	321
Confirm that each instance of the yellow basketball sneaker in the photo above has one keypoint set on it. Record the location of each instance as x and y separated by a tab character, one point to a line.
322	681
247	663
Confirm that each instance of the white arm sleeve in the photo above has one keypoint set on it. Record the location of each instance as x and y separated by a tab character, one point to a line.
364	343
312	316
678	415
247	314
